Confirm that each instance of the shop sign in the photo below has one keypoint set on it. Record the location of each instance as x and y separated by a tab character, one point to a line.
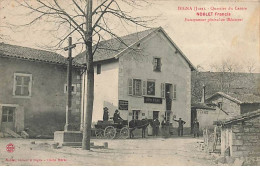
154	100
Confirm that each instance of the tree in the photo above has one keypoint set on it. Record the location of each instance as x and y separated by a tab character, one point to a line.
227	69
250	65
88	23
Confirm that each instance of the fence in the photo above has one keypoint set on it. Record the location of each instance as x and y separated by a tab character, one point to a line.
212	139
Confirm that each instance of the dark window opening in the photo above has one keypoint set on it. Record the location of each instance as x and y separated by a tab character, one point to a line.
220	104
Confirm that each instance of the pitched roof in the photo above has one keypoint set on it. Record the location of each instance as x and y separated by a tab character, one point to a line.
201	106
243	117
112	48
237	98
108	49
30	54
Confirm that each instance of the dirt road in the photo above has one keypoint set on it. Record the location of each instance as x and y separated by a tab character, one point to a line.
152	151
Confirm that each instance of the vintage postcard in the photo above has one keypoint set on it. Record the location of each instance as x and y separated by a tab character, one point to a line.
129	83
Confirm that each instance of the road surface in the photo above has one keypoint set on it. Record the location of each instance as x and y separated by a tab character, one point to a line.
152	151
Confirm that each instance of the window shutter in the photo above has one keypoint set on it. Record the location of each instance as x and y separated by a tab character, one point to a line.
144	87
174	91
160	64
154	64
14	86
162	90
130	86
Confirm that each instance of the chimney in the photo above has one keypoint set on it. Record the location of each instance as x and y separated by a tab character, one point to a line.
203	94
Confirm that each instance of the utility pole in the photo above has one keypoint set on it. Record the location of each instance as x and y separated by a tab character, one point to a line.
90	79
67	126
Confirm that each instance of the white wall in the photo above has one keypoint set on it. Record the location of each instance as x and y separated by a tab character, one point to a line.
105	90
207	117
232	108
175	70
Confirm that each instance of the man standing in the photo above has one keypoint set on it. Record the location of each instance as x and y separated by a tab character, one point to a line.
196	127
180	128
105	114
156	124
165	128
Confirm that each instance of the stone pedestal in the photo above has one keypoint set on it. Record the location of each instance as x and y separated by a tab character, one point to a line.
68	138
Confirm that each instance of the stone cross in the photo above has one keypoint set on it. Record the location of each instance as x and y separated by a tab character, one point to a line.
68	126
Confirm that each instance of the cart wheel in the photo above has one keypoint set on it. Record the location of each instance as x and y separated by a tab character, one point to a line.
124	133
99	133
110	132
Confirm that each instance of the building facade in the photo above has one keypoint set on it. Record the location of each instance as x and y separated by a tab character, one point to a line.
33	90
234	104
149	78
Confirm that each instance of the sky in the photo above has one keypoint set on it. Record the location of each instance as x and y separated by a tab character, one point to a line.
204	43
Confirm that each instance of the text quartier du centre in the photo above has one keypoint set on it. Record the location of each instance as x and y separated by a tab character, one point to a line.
223	13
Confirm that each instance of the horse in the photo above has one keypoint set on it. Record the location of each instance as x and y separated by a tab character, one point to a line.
138	124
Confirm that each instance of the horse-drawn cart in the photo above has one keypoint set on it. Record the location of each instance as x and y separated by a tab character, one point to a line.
109	129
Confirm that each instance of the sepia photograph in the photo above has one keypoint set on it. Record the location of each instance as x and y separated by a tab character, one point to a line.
129	83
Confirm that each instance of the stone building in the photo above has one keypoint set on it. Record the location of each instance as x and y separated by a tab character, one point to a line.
143	77
33	90
234	104
205	113
240	137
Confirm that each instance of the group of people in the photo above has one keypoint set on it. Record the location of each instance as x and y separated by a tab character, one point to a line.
156	123
116	117
165	126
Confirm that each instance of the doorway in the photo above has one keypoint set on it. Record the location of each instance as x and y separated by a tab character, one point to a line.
193	117
8	118
136	114
155	115
168	96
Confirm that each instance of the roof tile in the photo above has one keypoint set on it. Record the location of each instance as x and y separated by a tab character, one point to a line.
19	52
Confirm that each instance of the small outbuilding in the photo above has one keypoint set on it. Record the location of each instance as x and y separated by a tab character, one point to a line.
240	137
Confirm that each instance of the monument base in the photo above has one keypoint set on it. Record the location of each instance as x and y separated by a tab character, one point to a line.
68	138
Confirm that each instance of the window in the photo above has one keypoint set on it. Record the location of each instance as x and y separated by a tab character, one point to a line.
98	68
73	88
220	104
22	85
137	87
136	114
8	114
157	64
151	88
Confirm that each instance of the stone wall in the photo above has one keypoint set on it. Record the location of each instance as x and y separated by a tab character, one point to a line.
45	110
245	140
